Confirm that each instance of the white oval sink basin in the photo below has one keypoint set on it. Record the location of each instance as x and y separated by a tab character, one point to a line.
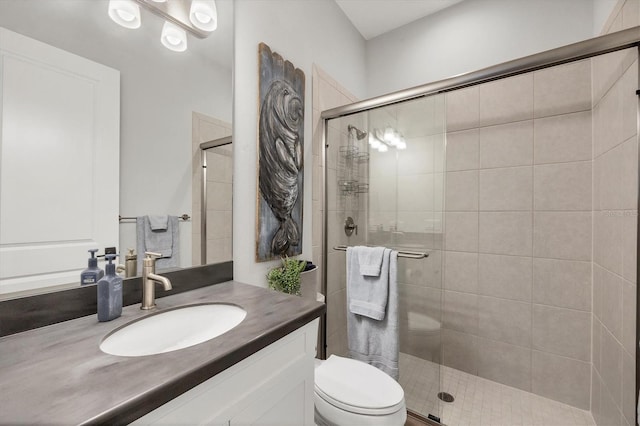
172	330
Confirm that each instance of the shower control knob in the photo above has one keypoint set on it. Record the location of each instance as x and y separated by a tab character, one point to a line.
350	226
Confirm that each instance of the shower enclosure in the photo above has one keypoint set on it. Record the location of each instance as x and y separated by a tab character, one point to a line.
216	162
513	194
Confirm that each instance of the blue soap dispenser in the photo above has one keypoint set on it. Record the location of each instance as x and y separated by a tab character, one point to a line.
109	293
92	274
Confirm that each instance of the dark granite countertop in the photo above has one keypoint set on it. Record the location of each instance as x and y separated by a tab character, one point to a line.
58	375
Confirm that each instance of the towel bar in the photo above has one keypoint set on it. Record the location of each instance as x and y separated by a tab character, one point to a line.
401	253
184	217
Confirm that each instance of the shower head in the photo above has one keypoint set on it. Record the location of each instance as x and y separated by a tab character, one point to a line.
359	133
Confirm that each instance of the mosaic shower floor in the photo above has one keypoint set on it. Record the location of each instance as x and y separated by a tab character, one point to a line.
478	401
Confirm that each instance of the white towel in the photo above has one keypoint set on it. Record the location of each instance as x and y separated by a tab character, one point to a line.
370	260
368	293
166	242
376	342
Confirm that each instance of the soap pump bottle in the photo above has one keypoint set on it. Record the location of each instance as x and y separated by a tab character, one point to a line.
92	274
109	293
131	264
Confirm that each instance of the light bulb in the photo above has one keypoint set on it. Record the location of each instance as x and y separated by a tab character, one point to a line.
388	134
125	16
174	41
173	37
383	148
204	15
394	138
125	13
401	145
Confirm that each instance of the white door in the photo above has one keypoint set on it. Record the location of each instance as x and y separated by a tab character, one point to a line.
59	162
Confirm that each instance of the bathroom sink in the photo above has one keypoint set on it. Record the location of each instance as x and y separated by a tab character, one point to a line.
173	329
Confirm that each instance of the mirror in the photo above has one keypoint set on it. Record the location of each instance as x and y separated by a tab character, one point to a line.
170	102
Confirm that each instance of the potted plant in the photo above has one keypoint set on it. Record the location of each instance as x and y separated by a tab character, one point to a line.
294	277
286	278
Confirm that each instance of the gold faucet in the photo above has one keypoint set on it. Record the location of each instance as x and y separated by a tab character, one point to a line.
149	279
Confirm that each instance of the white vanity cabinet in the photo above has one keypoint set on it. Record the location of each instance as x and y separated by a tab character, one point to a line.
274	386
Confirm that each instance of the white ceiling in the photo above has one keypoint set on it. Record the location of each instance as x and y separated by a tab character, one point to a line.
375	17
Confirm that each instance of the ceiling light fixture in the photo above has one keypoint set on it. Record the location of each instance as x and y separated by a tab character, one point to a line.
173	37
204	15
125	13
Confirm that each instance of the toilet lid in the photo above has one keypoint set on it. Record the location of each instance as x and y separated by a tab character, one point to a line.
357	387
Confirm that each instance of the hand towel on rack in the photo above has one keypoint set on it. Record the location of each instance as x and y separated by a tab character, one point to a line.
165	242
158	222
376	342
368	293
370	260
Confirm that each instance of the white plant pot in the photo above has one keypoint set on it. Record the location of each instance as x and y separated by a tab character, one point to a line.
309	283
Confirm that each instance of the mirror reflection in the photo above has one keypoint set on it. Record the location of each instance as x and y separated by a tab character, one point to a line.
164	105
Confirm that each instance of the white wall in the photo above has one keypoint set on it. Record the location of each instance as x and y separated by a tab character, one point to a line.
159	90
471	35
303	32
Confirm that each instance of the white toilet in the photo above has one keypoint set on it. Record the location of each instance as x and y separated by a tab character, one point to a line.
350	392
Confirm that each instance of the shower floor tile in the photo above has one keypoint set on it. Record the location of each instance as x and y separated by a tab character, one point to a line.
478	401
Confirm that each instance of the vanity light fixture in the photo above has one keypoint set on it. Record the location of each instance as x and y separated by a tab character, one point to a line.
173	37
197	17
125	13
203	14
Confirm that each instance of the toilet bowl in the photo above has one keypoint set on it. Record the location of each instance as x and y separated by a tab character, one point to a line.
350	392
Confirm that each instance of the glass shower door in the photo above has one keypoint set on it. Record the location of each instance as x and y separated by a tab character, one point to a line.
385	170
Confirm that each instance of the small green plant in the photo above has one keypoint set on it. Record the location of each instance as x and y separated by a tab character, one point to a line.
286	278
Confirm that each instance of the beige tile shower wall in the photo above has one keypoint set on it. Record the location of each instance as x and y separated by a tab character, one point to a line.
615	216
219	203
517	274
327	93
615	79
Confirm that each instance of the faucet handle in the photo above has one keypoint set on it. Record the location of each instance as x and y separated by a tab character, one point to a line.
150	259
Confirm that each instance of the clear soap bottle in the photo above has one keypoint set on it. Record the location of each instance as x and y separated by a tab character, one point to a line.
92	274
109	293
